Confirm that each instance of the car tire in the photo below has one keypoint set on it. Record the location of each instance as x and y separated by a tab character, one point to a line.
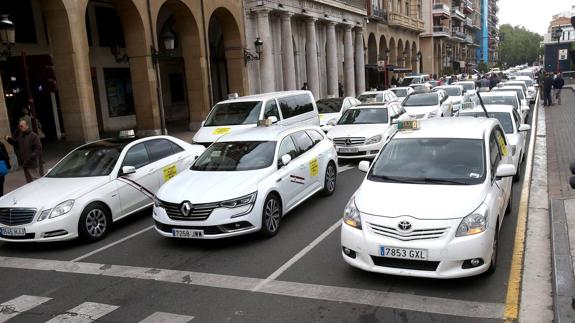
330	180
94	222
271	216
494	254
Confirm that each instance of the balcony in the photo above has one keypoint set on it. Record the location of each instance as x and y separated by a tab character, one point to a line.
398	20
379	14
458	34
468	6
456	13
441	9
440	31
469	39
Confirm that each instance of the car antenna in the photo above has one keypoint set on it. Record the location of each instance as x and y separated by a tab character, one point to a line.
482	105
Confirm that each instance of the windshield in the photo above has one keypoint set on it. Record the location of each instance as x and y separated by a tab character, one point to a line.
452	91
364	116
88	161
329	105
400	92
234	113
410	80
506	100
370	97
445	161
518	91
503	117
236	156
421	100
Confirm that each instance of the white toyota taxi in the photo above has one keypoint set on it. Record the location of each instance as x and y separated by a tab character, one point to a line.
432	202
246	182
362	130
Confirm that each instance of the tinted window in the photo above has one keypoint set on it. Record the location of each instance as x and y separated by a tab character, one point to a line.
494	154
315	136
503	117
287	147
158	149
234	113
364	116
175	147
137	156
421	100
302	141
86	161
271	110
236	156
295	105
518	91
329	105
467	86
400	92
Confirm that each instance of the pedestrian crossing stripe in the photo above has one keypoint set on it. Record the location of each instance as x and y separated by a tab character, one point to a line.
83	313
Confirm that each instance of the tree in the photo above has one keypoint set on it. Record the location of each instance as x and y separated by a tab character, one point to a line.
519	45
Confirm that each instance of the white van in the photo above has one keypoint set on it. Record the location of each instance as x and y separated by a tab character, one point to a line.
284	108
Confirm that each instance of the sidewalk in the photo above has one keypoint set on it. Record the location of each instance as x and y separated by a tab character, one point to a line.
560	121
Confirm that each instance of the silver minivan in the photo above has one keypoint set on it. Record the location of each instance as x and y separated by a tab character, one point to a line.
284	108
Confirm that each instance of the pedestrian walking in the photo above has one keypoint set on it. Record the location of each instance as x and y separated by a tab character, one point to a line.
558	83
547	85
4	166
30	150
305	87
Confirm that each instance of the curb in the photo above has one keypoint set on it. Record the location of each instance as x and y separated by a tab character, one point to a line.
563	277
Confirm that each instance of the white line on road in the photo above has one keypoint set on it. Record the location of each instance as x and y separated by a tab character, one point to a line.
84	313
18	305
408	302
161	317
111	244
298	256
344	168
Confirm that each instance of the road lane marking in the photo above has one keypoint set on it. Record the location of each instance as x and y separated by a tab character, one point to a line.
408	302
298	256
344	168
18	305
515	274
84	313
91	253
161	317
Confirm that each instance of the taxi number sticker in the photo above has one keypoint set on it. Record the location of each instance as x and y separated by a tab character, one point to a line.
221	131
169	172
313	167
501	142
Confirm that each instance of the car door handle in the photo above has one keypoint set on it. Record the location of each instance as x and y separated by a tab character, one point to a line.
151	170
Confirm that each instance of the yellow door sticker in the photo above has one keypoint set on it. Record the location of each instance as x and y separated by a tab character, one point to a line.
321	116
313	167
169	172
502	145
221	131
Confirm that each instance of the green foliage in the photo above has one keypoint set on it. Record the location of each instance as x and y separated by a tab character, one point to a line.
482	67
448	70
519	45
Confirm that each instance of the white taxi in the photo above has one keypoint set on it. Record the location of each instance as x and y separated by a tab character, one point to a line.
331	109
455	92
246	182
402	92
424	105
362	130
520	95
91	187
433	201
510	121
377	96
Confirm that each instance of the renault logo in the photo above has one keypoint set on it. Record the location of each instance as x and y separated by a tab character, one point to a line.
404	225
186	208
348	142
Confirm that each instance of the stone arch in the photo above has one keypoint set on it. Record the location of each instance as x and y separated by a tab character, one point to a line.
415	61
382	47
392	52
407	51
400	57
371	49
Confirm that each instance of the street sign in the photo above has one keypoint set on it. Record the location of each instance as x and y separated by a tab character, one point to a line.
381	66
562	54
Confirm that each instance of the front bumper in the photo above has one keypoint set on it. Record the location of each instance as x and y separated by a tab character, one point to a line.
445	255
61	228
363	151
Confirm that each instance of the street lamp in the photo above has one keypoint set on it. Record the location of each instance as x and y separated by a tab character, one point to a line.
249	56
169	41
420	61
7	36
386	73
557	34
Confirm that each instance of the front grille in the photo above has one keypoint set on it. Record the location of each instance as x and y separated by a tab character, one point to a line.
423	265
16	216
359	153
198	212
353	141
419	234
209	230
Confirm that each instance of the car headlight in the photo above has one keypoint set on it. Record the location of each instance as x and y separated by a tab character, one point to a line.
432	114
474	223
241	201
57	211
373	140
351	215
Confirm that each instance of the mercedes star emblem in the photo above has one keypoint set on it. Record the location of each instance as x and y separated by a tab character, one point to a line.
404	225
348	142
186	208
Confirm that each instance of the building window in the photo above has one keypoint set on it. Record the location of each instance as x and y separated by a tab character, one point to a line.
407	8
109	25
119	92
176	88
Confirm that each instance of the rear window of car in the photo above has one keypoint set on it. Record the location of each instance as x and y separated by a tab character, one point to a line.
295	105
329	105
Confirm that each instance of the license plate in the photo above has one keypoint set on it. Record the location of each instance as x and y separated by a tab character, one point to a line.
13	231
348	150
403	253
187	233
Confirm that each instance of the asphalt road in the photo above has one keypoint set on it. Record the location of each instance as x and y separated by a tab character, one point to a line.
296	276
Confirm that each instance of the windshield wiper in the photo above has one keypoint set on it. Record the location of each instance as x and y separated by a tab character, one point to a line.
394	179
440	181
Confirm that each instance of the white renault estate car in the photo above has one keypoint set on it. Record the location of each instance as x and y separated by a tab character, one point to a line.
362	130
91	187
246	182
433	201
286	108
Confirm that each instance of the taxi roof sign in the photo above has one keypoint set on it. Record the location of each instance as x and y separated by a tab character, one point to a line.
408	125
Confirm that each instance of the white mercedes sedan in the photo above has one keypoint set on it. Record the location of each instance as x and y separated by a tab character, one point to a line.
91	187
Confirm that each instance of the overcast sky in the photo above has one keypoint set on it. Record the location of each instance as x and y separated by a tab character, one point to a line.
534	15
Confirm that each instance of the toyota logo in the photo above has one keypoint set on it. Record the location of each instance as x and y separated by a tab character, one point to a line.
348	142
404	225
186	208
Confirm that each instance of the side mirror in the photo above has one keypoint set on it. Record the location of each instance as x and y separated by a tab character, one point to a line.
524	127
505	170
273	119
332	122
364	166
126	170
285	159
524	108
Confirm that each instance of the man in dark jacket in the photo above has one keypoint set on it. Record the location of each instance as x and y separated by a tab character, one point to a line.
30	150
558	83
6	159
547	85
